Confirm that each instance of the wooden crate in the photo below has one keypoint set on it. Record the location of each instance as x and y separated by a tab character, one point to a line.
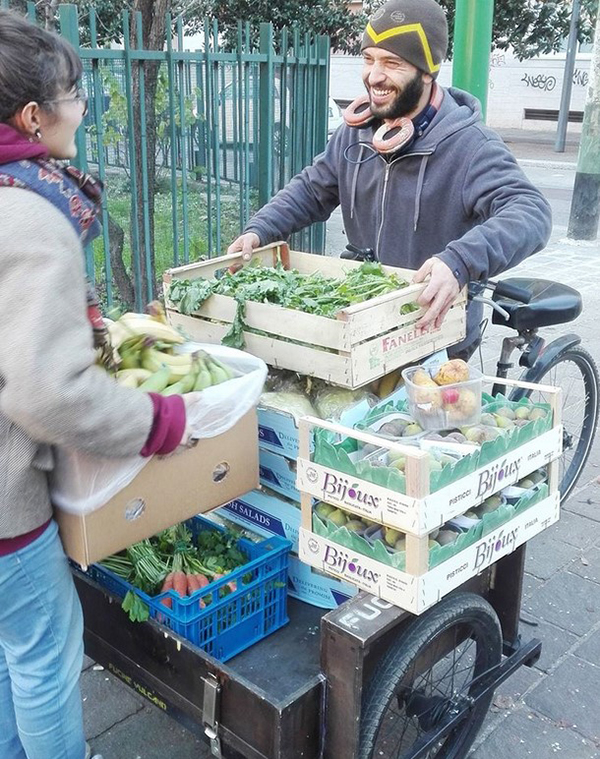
420	511
364	342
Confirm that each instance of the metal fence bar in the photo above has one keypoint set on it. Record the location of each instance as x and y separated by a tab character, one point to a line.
98	109
144	158
135	231
173	140
69	28
183	146
246	126
209	140
214	70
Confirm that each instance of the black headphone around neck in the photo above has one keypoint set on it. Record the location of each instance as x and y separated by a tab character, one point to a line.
400	134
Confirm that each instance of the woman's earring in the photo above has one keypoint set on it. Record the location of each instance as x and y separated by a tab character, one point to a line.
38	134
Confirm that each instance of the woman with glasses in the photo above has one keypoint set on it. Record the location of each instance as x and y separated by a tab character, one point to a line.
52	393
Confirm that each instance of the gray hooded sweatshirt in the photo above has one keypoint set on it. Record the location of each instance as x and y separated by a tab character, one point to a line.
457	193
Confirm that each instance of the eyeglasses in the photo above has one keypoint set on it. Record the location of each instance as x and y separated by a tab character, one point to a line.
81	96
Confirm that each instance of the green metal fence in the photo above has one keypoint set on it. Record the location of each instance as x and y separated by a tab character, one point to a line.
228	129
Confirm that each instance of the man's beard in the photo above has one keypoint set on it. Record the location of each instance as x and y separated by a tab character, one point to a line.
406	100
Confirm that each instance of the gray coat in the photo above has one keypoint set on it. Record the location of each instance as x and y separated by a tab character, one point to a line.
457	193
51	391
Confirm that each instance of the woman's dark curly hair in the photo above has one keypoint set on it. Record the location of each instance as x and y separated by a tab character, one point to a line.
35	65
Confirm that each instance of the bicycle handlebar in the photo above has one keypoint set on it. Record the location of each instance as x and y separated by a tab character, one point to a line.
514	293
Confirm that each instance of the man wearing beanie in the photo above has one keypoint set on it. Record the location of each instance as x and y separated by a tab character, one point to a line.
420	179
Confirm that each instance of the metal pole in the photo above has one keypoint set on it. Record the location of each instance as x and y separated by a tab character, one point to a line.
585	206
565	100
472	48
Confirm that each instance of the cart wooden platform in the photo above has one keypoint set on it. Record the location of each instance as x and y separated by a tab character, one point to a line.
306	690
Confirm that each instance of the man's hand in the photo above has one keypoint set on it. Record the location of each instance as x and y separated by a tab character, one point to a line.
246	244
439	294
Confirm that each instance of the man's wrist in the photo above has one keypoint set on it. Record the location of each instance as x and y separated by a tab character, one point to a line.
456	265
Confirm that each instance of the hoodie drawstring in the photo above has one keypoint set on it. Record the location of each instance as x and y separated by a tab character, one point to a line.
420	182
355	182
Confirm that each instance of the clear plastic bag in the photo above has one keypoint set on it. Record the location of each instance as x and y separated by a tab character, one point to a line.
82	483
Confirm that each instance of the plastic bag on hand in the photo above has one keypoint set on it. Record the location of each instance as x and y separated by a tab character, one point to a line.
82	483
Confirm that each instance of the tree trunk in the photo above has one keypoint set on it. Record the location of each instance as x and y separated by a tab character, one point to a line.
153	38
116	237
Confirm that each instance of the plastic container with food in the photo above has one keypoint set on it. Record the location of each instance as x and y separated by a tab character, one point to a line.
444	397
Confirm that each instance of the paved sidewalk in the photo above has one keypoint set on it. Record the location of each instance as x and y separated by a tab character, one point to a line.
548	711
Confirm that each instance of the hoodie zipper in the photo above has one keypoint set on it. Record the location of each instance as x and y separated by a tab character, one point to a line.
388	166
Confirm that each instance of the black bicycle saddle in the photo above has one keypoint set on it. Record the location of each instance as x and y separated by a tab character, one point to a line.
551	303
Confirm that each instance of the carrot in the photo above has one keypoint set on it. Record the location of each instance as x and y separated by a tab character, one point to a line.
193	583
180	583
167	585
203	580
232	585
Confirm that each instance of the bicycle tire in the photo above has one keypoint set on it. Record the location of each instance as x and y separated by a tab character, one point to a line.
584	362
469	613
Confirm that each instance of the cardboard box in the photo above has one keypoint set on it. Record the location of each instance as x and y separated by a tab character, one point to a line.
315	587
416	593
278	473
266	515
167	491
364	342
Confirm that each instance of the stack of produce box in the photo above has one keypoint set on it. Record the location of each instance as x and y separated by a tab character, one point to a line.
410	517
346	323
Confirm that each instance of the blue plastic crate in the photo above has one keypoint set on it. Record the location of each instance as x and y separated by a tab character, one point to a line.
227	625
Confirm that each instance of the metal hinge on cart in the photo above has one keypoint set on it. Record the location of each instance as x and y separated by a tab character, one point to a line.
210	713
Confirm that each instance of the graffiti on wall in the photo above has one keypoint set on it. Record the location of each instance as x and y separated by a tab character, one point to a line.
581	78
540	81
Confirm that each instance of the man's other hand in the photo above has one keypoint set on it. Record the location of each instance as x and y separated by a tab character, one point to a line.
246	244
439	294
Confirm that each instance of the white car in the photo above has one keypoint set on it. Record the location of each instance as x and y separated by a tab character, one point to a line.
335	117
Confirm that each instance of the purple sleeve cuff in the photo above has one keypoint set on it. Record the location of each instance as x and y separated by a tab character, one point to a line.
168	425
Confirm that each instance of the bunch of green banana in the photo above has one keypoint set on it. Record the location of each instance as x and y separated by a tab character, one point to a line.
151	369
131	326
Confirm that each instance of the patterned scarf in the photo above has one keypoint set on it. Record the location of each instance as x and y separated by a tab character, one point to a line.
78	197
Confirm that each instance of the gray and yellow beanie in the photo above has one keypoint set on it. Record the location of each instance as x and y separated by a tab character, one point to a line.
416	30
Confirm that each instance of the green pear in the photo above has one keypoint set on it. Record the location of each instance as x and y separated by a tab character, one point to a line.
391	535
537	413
489	419
504	422
354	525
526	483
399	463
324	509
338	517
505	411
522	412
446	537
412	429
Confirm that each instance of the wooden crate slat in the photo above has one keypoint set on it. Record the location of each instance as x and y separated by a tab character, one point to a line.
267	317
382	354
381	314
207	269
308	263
333	367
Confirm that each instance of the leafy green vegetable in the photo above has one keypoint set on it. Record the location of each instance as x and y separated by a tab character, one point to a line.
312	293
138	610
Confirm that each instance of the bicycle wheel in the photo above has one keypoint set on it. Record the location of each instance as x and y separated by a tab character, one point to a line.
575	372
427	673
